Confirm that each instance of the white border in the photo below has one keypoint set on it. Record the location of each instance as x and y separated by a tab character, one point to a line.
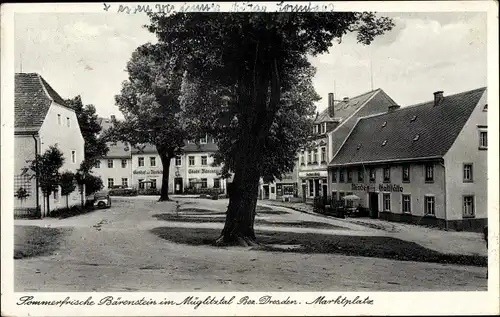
385	303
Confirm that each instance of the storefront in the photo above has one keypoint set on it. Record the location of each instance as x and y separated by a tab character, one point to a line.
313	184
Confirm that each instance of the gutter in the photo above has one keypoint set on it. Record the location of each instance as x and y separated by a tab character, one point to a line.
36	176
416	159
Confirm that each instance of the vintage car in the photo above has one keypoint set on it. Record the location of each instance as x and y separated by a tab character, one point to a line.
102	200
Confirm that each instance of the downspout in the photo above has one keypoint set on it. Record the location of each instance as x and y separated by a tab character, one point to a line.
36	175
445	197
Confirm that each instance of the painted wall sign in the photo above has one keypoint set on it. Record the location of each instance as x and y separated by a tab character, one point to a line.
381	187
204	171
147	172
313	174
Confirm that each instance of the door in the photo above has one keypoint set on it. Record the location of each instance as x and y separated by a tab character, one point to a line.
374	205
316	188
178	185
266	191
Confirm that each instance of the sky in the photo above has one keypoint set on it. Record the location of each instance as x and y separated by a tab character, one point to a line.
85	54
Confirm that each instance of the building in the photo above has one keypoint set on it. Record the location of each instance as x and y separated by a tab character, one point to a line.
424	164
42	119
115	169
331	128
280	189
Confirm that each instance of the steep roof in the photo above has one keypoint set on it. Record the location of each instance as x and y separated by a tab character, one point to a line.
392	136
188	148
118	150
32	99
371	103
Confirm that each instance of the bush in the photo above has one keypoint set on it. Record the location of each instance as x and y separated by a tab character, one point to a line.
149	191
122	192
203	191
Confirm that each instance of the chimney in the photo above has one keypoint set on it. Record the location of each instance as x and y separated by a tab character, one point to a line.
438	97
393	108
346	99
331	108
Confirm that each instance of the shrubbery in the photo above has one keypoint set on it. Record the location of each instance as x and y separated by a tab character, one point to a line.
123	192
203	191
149	191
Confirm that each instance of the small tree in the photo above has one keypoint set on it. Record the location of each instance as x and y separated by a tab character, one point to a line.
46	168
67	185
93	184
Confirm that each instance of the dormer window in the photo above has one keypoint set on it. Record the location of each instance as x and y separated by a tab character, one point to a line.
416	137
384	124
413	118
384	143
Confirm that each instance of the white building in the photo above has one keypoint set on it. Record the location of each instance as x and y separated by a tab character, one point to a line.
42	119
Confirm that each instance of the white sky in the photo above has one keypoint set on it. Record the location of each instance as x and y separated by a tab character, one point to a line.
86	54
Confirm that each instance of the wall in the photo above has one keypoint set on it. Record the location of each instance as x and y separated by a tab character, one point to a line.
417	188
147	172
117	172
67	139
199	171
24	153
465	149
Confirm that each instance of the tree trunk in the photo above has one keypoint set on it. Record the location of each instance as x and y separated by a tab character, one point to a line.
81	196
165	161
48	205
67	202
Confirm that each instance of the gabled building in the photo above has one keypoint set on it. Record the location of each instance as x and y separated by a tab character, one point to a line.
331	128
424	164
42	119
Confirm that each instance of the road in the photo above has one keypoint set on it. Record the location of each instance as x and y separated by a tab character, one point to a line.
121	254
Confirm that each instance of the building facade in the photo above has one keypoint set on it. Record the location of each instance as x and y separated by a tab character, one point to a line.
42	119
281	189
424	164
331	128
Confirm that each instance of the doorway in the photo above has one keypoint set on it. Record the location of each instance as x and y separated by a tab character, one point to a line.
374	205
178	185
266	191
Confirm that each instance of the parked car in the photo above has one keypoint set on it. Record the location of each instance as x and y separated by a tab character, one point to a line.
102	200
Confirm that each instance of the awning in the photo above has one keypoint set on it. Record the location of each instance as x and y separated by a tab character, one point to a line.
351	197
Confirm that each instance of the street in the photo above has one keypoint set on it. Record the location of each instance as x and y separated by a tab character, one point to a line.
114	250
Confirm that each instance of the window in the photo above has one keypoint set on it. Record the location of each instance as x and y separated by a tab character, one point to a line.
349	175
387	202
272	190
191	160
56	193
73	156
468	210
334	195
361	175
309	157
59	119
311	188
152	161
406	174
483	140
468	173
141	184
124	163
373	175
341	176
110	163
406	203
303	158
334	175
125	182
429	206
111	183
387	174
429	173
153	183
178	161
204	160
140	161
203	140
204	183
315	156
68	122
216	182
323	154
98	164
191	182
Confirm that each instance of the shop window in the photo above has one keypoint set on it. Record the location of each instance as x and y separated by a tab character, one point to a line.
406	174
468	173
468	206
141	183
178	161
152	161
191	182
204	183
111	182
373	175
140	161
429	205
361	175
153	183
110	163
204	160
406	201
387	174
429	173
191	160
125	182
288	190
124	163
216	182
387	202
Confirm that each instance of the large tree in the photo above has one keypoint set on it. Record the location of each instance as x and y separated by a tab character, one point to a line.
259	63
149	102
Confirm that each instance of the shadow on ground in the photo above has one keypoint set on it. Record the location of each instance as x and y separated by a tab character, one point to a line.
371	246
192	218
33	241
